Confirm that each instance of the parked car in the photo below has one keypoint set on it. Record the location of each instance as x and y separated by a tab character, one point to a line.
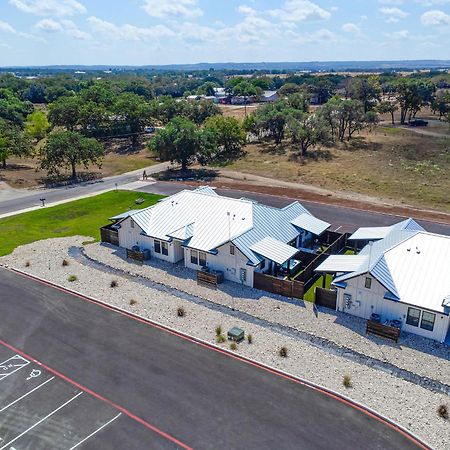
418	123
149	130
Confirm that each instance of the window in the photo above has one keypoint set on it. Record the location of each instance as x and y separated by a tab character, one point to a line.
368	283
132	223
427	321
165	248
243	275
157	246
231	249
413	317
202	259
263	264
194	257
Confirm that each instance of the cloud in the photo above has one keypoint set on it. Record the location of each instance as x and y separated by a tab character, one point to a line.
49	25
428	3
435	18
49	7
127	31
320	36
72	30
299	11
393	14
246	10
163	9
351	28
398	35
6	27
392	2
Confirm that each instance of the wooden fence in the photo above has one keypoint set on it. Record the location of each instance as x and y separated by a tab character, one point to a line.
287	288
325	297
136	256
109	235
207	279
385	331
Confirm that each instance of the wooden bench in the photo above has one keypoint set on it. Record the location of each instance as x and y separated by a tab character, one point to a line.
385	331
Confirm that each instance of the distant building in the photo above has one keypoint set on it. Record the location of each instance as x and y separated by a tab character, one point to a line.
269	96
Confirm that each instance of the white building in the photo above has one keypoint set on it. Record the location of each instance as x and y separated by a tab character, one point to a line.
269	96
235	236
403	274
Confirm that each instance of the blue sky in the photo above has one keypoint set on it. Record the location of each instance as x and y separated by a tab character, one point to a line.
138	32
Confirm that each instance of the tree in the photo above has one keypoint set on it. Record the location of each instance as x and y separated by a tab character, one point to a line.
65	112
12	142
289	88
441	104
222	139
37	125
179	141
207	88
67	149
307	132
366	90
388	107
12	109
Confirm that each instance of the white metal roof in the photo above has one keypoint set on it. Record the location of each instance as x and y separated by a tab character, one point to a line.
376	233
124	215
274	250
342	263
310	223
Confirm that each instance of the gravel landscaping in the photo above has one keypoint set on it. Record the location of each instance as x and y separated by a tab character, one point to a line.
409	404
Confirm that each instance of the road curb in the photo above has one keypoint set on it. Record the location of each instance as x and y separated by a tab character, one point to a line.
326	391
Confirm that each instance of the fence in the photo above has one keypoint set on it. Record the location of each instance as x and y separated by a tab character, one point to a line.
207	279
385	331
278	286
325	297
135	255
109	235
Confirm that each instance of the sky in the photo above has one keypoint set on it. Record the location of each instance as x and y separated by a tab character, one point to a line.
140	32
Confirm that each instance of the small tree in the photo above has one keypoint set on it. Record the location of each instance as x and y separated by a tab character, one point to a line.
65	112
13	141
37	125
67	149
386	107
308	132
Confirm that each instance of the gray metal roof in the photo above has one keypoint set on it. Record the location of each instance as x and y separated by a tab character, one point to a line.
342	263
375	233
124	215
310	223
274	250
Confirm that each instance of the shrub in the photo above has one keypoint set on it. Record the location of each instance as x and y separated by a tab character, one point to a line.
218	330
249	338
233	346
27	264
283	352
220	338
347	381
114	283
65	262
72	278
133	302
181	312
442	411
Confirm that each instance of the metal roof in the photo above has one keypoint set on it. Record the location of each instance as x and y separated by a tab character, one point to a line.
274	250
375	233
310	223
342	263
124	215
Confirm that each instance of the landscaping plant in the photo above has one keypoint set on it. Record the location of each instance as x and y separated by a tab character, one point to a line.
283	352
181	312
347	381
443	411
72	278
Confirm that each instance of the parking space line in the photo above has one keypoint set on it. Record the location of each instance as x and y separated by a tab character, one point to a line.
25	395
96	431
12	365
40	421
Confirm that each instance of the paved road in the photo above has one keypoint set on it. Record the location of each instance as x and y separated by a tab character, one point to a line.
201	397
32	198
348	219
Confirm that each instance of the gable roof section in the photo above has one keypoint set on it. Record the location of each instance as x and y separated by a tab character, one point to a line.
274	250
310	223
376	233
342	263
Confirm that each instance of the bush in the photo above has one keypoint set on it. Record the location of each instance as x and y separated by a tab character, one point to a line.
65	262
133	302
181	312
114	283
72	278
283	352
442	411
220	338
233	346
218	330
249	338
347	381
27	264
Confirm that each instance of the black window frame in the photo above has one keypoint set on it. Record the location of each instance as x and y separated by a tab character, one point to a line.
413	322
232	249
194	260
164	248
202	260
368	281
427	321
132	223
157	245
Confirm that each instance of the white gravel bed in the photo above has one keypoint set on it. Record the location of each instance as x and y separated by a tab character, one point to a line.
414	353
408	404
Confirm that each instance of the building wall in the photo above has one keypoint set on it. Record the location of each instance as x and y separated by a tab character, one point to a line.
365	301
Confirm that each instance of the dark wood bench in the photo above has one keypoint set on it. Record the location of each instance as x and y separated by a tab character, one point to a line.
385	331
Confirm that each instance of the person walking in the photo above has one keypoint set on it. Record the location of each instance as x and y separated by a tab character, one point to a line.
144	175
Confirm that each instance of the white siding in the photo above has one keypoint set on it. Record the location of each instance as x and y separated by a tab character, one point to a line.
364	302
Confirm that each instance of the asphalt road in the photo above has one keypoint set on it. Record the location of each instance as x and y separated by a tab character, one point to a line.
201	397
346	219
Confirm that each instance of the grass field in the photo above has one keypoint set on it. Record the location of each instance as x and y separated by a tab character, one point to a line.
309	295
81	217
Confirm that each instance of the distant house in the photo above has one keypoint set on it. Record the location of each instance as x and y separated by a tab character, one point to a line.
235	236
268	96
401	274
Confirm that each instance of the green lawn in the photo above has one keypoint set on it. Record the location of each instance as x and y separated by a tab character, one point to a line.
81	217
309	295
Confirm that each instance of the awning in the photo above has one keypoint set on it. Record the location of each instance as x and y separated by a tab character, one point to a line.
370	233
274	250
340	284
310	223
390	296
342	263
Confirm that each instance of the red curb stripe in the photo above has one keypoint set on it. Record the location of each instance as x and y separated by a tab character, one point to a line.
274	371
98	396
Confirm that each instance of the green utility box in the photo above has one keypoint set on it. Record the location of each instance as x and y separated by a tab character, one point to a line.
236	334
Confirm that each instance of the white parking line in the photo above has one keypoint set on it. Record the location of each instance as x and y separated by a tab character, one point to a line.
40	421
25	395
338	228
95	432
12	365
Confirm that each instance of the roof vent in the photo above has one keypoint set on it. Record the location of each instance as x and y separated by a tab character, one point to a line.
417	250
408	249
